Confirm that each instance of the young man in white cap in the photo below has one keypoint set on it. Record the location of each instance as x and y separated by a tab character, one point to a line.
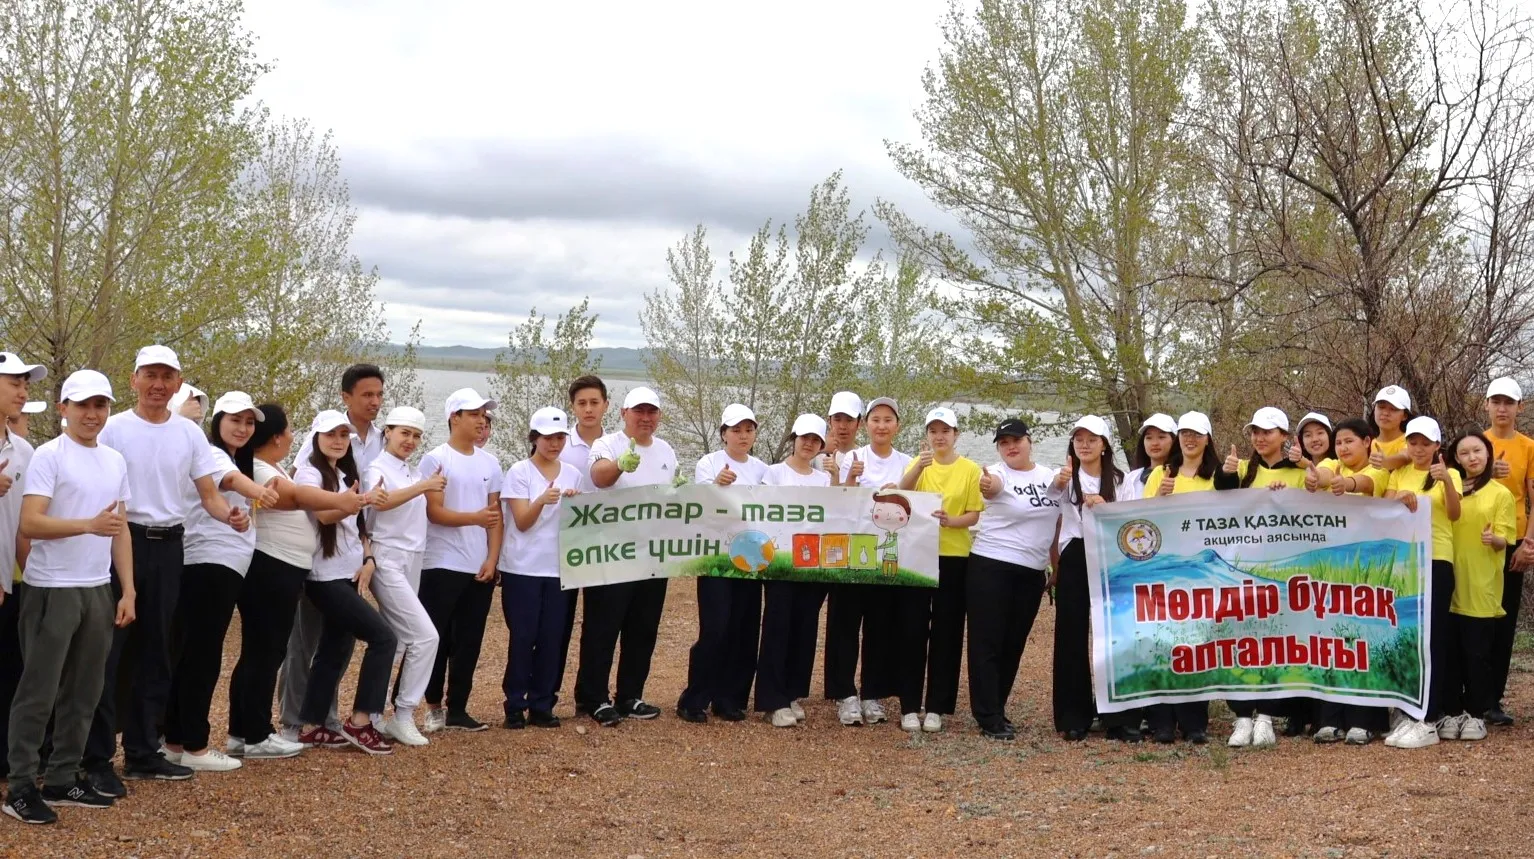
21	422
632	456
722	661
362	390
74	514
588	408
190	402
15	459
463	547
1513	467
164	454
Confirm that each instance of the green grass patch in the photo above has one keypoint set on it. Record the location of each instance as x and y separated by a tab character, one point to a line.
1363	568
782	569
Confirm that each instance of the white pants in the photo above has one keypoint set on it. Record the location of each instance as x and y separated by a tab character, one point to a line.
395	580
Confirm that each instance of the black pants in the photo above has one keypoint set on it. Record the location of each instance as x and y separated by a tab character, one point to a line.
860	620
913	633
348	618
1507	626
1347	716
630	611
722	662
209	593
1188	716
1468	687
139	661
10	657
1074	706
1440	644
572	597
790	622
458	606
945	653
1003	600
534	609
268	603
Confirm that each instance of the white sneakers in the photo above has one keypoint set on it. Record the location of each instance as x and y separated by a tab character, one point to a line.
1262	731
1472	729
932	723
210	761
783	717
910	722
1329	734
1359	736
1413	735
404	730
798	711
873	712
1241	736
849	712
1448	727
436	719
274	747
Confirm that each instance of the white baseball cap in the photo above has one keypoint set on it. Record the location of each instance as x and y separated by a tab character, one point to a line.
1394	395
1269	418
466	399
641	396
943	414
406	416
34	407
186	392
549	421
1313	417
734	413
328	420
846	403
84	384
1092	424
883	401
234	402
11	365
809	425
1162	422
1503	387
1425	427
157	354
1195	422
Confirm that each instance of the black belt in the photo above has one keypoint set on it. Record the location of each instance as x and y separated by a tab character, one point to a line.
157	532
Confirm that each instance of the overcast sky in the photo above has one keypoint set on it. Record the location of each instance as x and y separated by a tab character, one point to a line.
505	155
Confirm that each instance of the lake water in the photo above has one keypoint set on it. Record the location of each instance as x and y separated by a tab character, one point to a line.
437	384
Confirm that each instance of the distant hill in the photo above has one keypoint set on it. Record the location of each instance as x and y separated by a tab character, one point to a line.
614	359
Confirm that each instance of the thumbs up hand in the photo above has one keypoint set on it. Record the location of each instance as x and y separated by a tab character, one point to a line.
989	483
680	479
855	470
1063	476
629	460
107	523
1168	484
1339	484
239	520
924	458
1376	458
1438	471
1312	477
1232	462
725	477
1488	537
1296	454
437	482
5	479
1499	469
550	495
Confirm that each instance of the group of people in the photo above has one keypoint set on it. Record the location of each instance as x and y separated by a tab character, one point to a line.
137	537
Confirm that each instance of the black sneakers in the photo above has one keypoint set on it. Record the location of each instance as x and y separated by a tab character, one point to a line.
636	708
998	731
1497	716
542	719
105	782
464	722
515	721
730	714
697	717
27	806
607	716
155	768
78	795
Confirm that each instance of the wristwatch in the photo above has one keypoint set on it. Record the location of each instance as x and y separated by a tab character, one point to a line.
369	559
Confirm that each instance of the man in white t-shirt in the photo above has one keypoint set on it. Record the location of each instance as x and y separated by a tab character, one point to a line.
588	408
632	456
362	390
74	514
164	452
15	459
463	546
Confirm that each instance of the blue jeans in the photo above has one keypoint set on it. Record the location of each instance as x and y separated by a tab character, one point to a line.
535	610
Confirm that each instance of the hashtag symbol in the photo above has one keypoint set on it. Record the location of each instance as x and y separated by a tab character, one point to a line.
1185	524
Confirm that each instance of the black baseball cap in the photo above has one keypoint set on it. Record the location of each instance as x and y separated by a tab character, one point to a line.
1011	427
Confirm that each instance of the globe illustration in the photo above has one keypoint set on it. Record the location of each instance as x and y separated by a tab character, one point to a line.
751	551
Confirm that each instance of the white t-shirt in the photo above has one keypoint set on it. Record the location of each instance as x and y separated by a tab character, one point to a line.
534	552
161	458
470	482
657	461
348	556
781	474
748	473
577	455
877	470
209	541
80	481
362	451
1070	514
16	452
1134	482
1018	525
287	535
404	527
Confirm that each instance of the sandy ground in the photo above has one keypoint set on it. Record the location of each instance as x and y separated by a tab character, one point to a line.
667	788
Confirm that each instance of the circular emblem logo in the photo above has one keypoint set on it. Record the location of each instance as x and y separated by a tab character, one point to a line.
1139	539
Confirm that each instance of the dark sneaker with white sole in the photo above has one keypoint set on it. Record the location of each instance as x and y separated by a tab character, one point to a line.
27	806
78	795
464	722
636	708
105	782
607	716
156	768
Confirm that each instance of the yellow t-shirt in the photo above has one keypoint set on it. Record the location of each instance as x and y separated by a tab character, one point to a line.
1409	478
1518	453
1477	566
1184	483
1391	448
1379	476
1294	478
959	484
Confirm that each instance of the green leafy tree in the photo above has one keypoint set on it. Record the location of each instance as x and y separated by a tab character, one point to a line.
683	331
535	370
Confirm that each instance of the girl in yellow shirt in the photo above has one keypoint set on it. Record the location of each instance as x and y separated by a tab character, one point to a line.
1482	534
1427	479
1391	413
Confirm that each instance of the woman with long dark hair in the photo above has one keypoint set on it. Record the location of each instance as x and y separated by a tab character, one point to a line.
1158	437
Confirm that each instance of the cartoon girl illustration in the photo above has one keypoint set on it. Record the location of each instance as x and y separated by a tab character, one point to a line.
891	513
